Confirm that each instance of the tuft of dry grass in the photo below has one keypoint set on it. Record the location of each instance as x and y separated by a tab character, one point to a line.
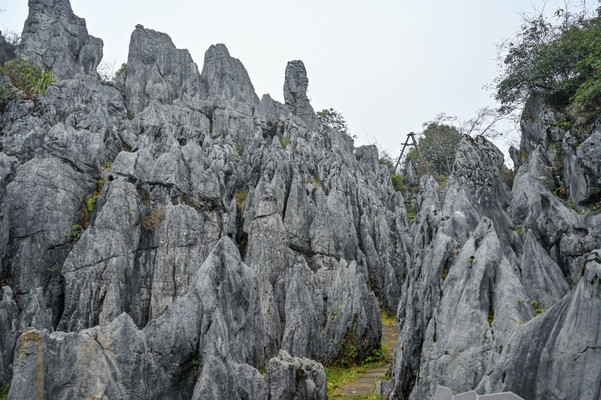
154	220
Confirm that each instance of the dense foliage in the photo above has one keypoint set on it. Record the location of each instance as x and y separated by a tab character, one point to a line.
438	145
332	119
25	76
558	57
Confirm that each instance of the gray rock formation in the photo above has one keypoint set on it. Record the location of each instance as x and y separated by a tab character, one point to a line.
494	273
157	70
211	356
295	91
7	50
172	236
55	38
224	81
129	209
543	359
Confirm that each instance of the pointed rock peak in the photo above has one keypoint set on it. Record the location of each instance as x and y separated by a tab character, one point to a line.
157	70
224	80
218	50
48	39
63	5
144	34
296	83
295	91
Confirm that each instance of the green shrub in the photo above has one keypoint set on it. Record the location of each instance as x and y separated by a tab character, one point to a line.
438	144
122	71
398	182
32	80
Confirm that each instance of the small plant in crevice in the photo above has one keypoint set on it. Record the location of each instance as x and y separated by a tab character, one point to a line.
195	365
73	237
317	180
241	197
561	192
154	220
285	142
122	71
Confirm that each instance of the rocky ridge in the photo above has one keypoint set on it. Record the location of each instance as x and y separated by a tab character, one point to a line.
172	235
174	216
500	277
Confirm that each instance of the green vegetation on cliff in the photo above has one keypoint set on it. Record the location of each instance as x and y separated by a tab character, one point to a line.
559	57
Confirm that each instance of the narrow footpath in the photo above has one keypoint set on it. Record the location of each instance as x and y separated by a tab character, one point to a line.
364	387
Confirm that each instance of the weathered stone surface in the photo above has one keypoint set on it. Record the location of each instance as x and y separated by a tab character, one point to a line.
557	355
295	92
150	297
295	378
588	155
96	271
473	292
224	81
9	315
157	70
58	39
4	222
538	125
7	50
214	319
42	204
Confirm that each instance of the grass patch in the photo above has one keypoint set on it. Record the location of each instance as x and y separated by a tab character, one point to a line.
388	318
340	376
4	392
29	78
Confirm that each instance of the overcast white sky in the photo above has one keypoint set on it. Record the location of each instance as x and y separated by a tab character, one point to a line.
387	65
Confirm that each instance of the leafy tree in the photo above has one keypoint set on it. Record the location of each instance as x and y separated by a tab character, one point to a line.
332	119
438	145
558	57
